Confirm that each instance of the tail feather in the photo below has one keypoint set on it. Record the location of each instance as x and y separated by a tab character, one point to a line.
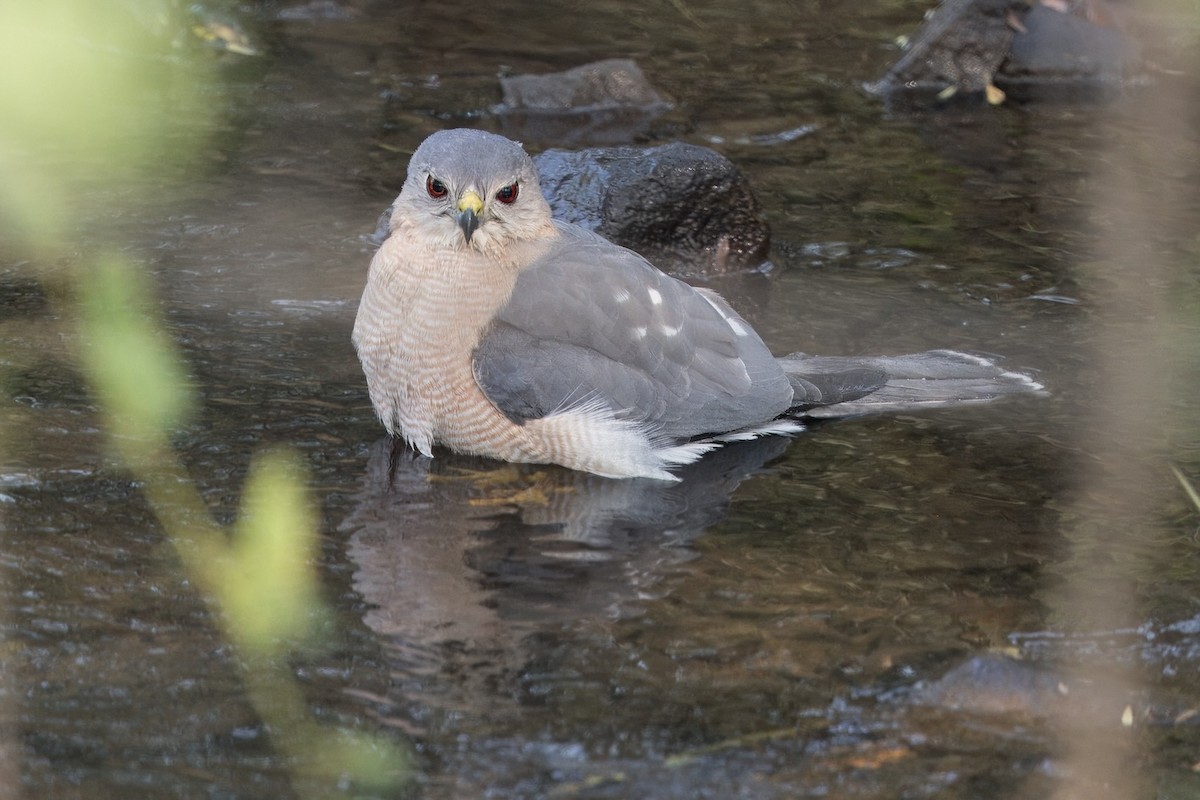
832	386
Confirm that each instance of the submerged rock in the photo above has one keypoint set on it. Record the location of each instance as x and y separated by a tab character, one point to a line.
604	102
993	684
614	83
1053	45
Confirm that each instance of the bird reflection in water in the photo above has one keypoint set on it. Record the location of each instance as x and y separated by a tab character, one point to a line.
467	565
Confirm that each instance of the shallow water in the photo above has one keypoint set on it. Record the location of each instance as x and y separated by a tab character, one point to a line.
752	632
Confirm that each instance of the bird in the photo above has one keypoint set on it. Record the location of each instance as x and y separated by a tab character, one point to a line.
490	328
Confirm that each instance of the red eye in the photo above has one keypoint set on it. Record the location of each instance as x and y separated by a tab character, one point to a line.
508	195
435	187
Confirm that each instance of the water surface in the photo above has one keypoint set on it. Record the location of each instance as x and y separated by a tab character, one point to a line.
752	632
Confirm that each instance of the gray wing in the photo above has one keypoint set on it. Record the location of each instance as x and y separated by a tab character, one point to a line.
591	321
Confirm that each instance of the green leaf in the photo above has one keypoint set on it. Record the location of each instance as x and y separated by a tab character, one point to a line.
128	358
268	586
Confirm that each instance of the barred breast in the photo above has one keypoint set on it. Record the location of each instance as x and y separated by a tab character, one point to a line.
421	316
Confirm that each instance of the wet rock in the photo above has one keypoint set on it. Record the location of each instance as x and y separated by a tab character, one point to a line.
604	102
686	208
1054	45
1087	694
617	82
994	684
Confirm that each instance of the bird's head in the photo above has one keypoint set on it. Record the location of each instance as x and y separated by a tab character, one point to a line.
472	189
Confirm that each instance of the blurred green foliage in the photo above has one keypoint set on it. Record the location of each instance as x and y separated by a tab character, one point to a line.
129	361
90	91
80	84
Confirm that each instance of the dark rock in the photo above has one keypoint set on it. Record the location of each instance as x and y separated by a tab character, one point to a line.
617	82
686	208
1057	45
605	102
994	684
1031	693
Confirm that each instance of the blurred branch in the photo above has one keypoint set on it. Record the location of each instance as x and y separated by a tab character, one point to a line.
89	95
260	582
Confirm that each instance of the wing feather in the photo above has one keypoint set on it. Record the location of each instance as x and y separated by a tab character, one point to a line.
593	322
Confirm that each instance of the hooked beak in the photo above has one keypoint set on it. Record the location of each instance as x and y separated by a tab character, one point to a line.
469	208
